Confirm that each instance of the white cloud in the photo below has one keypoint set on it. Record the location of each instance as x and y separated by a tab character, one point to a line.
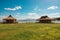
2	17
33	15
13	9
36	15
54	15
18	14
28	16
53	7
36	9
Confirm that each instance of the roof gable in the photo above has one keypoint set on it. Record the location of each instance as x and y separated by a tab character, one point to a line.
9	18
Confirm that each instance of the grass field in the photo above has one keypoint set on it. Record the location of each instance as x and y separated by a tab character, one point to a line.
30	31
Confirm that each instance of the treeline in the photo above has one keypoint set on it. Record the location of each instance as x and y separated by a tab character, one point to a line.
57	18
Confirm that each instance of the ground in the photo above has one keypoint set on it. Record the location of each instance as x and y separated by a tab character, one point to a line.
30	31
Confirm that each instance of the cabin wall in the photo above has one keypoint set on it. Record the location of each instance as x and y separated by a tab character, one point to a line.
9	21
45	21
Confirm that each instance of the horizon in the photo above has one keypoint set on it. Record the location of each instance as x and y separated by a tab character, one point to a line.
29	9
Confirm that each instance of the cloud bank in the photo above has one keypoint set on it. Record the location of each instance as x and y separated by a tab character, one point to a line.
36	15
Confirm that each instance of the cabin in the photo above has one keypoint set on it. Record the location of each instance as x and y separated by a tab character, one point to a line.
44	19
9	19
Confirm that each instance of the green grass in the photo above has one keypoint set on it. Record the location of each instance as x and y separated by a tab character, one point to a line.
30	31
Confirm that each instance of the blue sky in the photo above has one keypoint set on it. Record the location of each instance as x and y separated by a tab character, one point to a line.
29	9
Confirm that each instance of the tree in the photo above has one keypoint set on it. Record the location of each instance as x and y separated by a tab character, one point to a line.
57	18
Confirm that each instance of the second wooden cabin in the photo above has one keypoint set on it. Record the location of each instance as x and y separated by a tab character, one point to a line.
44	19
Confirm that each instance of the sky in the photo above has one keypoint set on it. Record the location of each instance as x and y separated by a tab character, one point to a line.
29	9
